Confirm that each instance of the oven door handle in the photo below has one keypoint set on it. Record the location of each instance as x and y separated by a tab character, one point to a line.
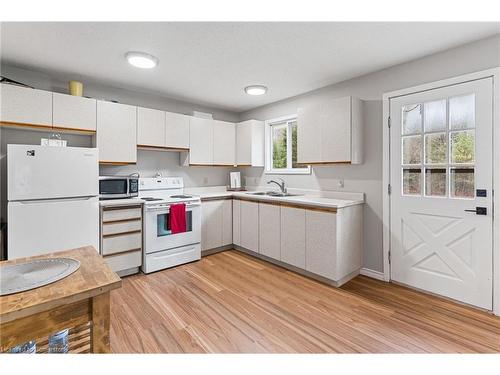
167	208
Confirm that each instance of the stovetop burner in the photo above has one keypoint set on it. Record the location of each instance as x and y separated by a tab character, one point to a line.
181	196
151	199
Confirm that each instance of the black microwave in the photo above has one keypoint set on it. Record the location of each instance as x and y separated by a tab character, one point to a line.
115	187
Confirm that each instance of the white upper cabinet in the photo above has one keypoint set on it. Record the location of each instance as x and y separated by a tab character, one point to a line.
74	112
250	143
201	141
116	132
25	106
224	143
150	127
330	132
176	131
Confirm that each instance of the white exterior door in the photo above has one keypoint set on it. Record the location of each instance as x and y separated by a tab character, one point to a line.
441	200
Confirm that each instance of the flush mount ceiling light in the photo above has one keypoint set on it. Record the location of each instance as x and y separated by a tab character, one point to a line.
141	60
256	90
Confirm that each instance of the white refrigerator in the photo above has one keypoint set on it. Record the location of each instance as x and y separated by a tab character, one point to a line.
53	199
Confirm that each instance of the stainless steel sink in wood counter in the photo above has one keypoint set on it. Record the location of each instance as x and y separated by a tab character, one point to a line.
76	300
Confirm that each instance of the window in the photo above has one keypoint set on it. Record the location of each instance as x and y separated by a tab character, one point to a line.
438	147
281	147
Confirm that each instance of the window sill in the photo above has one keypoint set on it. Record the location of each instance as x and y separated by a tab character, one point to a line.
303	171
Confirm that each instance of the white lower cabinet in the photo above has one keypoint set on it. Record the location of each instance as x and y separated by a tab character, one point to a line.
269	230
216	224
321	243
237	222
249	225
293	236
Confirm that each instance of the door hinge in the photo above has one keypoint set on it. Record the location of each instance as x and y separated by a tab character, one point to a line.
389	257
389	189
389	122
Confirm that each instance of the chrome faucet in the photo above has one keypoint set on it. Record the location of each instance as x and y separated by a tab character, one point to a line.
281	186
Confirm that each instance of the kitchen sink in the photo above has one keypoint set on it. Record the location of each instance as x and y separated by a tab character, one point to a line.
273	194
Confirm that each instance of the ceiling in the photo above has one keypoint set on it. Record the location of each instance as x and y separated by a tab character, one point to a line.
211	63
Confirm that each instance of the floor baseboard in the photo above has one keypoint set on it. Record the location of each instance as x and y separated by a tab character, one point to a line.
371	273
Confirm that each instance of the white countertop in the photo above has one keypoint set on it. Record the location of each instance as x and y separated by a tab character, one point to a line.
328	199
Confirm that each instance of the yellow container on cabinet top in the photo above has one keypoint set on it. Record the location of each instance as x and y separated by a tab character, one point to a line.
75	88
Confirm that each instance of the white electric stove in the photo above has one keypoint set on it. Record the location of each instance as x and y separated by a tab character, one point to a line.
162	248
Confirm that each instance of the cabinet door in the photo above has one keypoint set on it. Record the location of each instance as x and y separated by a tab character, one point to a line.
321	243
176	130
116	132
227	222
236	222
244	143
293	236
224	143
25	105
336	131
250	225
150	127
269	230
74	112
309	124
211	225
201	138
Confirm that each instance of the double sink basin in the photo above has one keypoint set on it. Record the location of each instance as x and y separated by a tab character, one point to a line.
273	194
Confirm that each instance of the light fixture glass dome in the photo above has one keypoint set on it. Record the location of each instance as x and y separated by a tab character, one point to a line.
256	90
141	60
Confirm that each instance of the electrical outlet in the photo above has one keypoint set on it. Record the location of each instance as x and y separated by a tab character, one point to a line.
341	184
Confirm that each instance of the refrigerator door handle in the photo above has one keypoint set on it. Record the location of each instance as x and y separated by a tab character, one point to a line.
71	199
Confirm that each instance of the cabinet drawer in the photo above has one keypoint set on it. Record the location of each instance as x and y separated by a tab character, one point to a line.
121	214
121	227
121	243
125	261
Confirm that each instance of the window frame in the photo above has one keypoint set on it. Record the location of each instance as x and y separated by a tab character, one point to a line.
269	147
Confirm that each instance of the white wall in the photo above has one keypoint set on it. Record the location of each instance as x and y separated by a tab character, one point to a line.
367	177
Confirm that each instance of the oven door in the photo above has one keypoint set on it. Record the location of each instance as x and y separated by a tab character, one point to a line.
157	234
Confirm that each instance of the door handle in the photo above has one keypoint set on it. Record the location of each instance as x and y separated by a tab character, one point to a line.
479	211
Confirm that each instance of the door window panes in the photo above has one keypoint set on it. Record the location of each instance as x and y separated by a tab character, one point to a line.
412	119
412	150
435	116
462	112
412	181
462	147
435	182
462	182
438	148
435	148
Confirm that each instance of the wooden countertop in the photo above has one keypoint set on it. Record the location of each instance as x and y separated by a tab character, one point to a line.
94	277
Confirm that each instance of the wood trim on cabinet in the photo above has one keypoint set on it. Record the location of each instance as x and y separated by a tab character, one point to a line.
121	253
304	206
121	233
122	220
117	162
211	165
162	148
40	127
208	199
324	163
114	208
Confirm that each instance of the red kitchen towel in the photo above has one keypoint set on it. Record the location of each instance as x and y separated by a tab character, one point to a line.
177	218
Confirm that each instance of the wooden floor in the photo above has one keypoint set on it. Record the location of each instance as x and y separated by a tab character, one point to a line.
232	303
